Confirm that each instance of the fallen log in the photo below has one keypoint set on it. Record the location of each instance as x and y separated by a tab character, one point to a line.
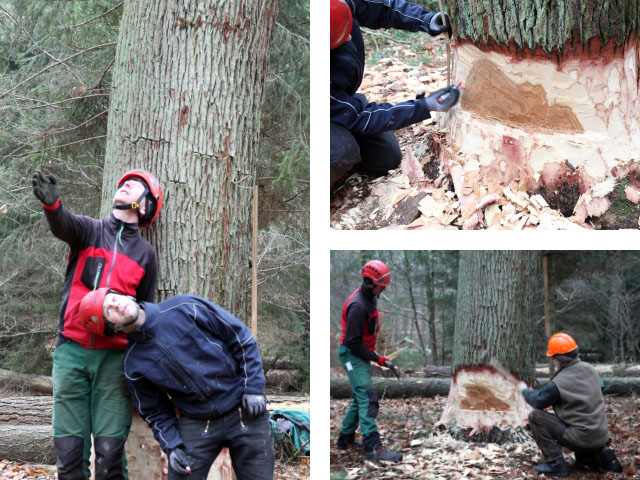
25	382
394	388
423	387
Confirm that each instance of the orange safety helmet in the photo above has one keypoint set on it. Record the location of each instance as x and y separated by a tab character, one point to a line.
152	193
377	271
560	343
341	22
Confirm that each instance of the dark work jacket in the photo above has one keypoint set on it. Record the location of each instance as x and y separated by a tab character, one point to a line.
196	352
347	68
103	253
360	323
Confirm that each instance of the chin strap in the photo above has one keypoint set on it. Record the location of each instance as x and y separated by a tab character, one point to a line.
134	205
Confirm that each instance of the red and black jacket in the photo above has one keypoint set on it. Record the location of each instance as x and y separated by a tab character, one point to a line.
103	253
360	324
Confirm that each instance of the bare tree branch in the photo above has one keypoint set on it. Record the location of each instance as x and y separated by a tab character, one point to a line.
95	18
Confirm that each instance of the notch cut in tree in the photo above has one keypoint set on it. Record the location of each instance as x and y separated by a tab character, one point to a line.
550	99
495	314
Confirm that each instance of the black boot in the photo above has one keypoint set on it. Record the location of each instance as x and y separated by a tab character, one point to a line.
373	450
608	461
587	459
556	468
346	441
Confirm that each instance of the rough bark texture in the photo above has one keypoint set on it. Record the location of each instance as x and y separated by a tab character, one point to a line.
551	97
432	309
394	388
495	313
561	27
186	105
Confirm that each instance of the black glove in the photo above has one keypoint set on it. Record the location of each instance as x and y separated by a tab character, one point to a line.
437	26
392	367
178	461
254	404
442	100
45	188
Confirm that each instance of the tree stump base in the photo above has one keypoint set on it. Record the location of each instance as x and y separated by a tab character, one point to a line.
483	406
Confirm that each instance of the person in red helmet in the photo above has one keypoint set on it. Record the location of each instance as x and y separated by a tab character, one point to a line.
89	391
361	131
579	423
360	326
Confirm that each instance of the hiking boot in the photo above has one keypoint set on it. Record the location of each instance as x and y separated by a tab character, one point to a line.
589	460
556	468
608	461
382	455
345	442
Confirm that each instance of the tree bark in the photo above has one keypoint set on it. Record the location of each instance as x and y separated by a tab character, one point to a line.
497	293
186	105
432	307
413	307
27	382
549	300
550	99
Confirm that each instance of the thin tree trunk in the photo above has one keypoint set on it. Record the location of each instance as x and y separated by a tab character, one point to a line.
432	307
413	307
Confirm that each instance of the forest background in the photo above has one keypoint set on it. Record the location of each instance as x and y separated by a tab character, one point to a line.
57	121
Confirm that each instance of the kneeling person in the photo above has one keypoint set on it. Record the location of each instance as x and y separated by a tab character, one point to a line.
190	354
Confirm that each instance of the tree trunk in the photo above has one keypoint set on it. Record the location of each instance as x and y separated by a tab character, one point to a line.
26	382
495	313
432	307
550	103
186	105
548	272
394	388
407	270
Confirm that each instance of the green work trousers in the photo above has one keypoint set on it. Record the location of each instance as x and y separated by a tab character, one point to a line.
90	397
363	408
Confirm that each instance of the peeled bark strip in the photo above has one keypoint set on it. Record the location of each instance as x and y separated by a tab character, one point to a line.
551	96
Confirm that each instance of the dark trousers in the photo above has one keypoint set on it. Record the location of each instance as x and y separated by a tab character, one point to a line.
548	431
248	439
372	155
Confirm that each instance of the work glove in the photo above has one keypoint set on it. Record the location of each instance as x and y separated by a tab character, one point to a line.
521	386
254	404
441	100
393	368
382	360
45	188
178	461
437	26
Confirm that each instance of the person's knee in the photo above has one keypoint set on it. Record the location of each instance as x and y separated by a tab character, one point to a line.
534	416
344	151
69	451
108	457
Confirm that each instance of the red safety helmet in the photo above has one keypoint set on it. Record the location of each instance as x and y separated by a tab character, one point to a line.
90	311
560	343
341	22
152	194
377	271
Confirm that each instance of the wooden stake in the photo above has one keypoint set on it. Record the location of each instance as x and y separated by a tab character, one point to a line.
254	266
448	41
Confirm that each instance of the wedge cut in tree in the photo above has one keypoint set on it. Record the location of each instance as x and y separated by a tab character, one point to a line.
550	103
495	318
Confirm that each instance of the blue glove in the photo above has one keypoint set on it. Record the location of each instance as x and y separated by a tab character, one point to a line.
254	404
442	100
178	461
437	26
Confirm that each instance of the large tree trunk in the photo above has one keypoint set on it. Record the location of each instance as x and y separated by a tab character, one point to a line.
186	105
550	103
497	293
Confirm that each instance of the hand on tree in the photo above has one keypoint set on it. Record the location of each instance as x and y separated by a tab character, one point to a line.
437	26
178	461
254	404
442	100
45	188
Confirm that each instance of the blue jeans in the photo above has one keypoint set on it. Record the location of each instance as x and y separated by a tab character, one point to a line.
248	439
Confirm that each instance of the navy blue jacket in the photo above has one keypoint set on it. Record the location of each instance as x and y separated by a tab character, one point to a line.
199	354
347	67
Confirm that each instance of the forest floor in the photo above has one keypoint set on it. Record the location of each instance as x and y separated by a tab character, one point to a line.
406	426
399	66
